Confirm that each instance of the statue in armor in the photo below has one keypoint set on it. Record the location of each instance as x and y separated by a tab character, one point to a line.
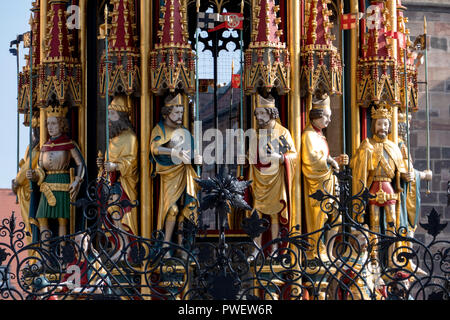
58	183
378	164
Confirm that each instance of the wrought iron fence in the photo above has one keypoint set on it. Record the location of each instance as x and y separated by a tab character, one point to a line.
106	262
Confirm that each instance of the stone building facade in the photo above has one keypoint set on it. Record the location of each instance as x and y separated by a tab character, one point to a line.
437	13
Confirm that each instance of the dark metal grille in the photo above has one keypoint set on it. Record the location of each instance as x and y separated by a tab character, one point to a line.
91	265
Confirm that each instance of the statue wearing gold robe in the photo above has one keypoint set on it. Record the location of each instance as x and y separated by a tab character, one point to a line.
317	168
21	185
272	177
122	166
171	157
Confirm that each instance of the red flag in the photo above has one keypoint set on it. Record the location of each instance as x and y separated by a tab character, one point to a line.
399	36
234	20
348	21
236	81
230	21
220	26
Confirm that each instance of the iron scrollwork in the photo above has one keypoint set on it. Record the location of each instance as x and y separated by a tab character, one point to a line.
92	264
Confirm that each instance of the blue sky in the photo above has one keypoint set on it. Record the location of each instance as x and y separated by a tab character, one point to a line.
14	18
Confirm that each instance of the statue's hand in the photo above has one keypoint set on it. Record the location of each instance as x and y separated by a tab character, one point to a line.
428	175
183	155
342	160
333	163
74	189
111	166
198	159
100	162
31	175
14	186
409	176
275	157
241	159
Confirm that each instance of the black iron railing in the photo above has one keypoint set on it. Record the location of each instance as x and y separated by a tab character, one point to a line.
106	262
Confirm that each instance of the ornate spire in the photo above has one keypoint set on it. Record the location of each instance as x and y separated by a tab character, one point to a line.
172	62
124	71
411	69
377	68
321	69
58	40
24	76
318	23
267	63
61	74
173	24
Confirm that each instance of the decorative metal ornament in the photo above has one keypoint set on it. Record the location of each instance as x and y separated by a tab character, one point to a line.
206	270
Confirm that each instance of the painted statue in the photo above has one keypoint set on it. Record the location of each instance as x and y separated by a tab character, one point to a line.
411	203
317	167
21	185
378	164
272	168
410	197
171	152
122	167
58	183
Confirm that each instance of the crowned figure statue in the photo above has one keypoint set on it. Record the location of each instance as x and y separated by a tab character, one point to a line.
379	166
58	183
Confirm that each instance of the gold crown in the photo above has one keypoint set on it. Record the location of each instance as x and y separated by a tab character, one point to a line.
175	101
56	111
120	104
262	102
322	102
381	112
